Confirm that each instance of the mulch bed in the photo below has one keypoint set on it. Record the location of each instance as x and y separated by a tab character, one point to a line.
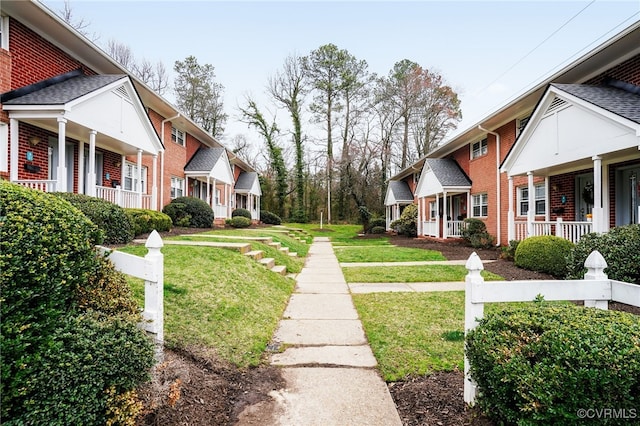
194	387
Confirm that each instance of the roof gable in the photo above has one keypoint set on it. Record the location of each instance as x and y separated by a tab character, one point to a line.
398	191
440	175
248	183
210	162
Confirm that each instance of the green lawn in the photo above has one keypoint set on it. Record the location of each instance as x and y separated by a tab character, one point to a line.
385	254
219	298
277	234
410	274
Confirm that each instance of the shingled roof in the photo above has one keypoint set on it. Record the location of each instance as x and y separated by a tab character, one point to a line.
204	160
245	181
448	172
618	101
400	191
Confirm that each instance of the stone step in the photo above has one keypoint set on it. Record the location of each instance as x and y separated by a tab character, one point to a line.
265	240
268	262
293	254
241	247
284	249
275	244
255	254
280	269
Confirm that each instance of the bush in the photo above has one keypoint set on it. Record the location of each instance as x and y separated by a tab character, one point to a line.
509	252
543	363
546	253
407	224
189	212
298	216
68	328
145	221
107	216
377	222
269	218
620	247
378	230
241	212
474	233
240	222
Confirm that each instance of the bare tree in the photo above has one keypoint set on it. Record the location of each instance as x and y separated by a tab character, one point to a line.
80	25
153	75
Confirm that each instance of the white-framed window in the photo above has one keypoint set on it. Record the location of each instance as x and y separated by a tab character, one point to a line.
177	187
4	32
478	149
218	192
540	200
4	147
177	136
521	123
433	209
480	203
131	175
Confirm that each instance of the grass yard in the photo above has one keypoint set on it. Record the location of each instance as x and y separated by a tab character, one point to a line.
385	254
276	234
410	274
413	333
221	299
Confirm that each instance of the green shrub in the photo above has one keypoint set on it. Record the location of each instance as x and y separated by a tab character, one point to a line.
107	216
475	234
509	252
189	212
145	221
240	222
620	247
241	212
378	230
270	218
546	253
298	216
377	222
407	224
543	363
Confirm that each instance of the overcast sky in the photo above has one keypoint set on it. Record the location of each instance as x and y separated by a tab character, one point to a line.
487	51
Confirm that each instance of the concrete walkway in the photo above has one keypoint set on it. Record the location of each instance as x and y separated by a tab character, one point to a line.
328	365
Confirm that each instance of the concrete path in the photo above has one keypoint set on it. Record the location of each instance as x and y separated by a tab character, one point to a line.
327	363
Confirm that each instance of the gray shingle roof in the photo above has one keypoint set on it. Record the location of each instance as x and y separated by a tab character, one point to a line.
65	91
400	190
204	160
246	180
448	172
612	99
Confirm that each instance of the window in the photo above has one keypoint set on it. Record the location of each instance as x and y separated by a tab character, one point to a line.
522	122
177	187
130	176
480	203
479	148
218	196
4	147
540	200
4	32
177	136
433	212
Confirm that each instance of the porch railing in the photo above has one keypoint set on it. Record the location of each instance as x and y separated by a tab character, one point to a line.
454	228
123	197
220	211
41	185
568	230
430	228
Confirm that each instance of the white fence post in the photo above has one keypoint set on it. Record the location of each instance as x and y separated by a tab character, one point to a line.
595	265
154	291
472	311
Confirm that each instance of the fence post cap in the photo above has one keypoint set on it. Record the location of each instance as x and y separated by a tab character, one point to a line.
154	241
595	260
474	263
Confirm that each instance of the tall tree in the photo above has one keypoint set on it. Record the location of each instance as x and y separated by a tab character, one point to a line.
288	88
199	96
254	118
154	75
324	67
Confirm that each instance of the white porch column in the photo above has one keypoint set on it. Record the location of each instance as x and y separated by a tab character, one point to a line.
209	196
258	206
81	171
547	200
531	200
598	223
445	216
62	168
227	196
139	177
154	183
419	220
14	128
511	217
437	216
91	173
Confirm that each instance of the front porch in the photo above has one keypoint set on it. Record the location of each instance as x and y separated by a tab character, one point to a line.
209	177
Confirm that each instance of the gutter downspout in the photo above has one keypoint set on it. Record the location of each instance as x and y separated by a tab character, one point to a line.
162	123
498	204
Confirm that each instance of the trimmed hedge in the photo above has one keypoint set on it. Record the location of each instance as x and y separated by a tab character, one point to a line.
546	253
475	234
377	223
270	218
620	247
241	212
145	221
378	230
542	364
189	212
240	222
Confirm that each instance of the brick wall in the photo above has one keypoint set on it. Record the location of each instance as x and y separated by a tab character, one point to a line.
628	71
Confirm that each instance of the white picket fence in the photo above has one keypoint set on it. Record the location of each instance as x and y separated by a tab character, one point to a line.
150	268
596	289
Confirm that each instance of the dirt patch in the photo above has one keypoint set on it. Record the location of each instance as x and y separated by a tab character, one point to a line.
194	387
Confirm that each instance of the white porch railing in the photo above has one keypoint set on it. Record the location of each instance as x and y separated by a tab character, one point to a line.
596	290
454	228
220	212
41	185
151	269
571	231
123	197
430	228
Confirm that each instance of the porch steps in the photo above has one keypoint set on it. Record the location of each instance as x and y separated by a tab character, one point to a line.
241	247
255	254
268	262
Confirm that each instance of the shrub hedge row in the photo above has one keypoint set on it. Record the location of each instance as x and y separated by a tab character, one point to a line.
145	221
269	218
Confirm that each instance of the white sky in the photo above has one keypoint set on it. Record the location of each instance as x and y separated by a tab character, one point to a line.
487	51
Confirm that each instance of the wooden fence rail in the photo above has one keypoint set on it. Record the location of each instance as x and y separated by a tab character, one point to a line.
596	290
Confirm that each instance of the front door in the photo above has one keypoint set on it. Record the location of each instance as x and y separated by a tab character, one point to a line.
53	163
628	196
584	196
99	168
